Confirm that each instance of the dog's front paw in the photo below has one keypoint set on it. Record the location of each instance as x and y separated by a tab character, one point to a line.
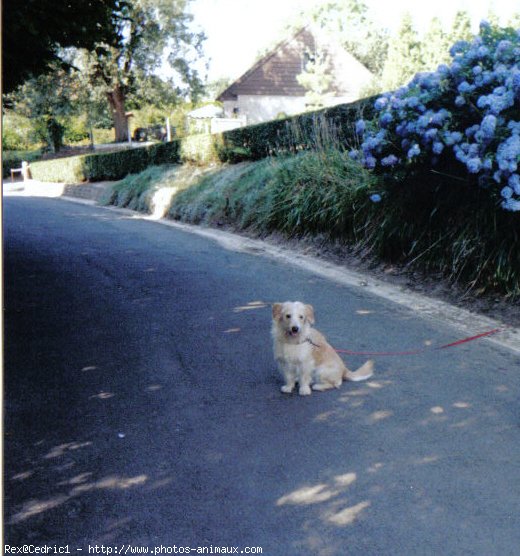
305	390
287	389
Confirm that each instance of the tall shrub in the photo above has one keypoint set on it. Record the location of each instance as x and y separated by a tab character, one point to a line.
463	119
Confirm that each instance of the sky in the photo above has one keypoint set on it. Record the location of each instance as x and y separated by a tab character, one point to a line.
237	30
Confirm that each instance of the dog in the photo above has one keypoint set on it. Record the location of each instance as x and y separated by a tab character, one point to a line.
303	354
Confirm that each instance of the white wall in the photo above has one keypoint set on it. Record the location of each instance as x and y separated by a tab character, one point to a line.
259	108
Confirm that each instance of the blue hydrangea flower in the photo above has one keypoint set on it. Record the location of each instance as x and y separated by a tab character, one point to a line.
465	87
514	183
488	126
360	127
390	160
386	119
483	51
370	162
453	137
487	164
470	131
381	103
474	165
506	192
458	48
414	151
511	204
438	147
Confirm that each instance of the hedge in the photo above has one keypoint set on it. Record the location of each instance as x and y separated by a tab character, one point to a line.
63	170
330	126
326	127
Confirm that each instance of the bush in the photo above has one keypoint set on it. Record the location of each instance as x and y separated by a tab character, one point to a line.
17	132
63	170
199	149
76	130
462	120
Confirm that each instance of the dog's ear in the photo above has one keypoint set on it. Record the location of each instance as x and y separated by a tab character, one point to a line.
277	310
309	313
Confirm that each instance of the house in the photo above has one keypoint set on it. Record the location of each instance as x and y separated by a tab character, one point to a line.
271	89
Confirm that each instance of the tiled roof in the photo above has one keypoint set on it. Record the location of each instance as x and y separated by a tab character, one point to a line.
275	74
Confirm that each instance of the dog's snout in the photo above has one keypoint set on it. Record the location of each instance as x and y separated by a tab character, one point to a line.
295	329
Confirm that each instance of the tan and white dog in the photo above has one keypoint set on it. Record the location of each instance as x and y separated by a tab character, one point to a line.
303	354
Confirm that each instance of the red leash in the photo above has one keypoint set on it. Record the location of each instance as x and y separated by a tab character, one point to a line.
421	350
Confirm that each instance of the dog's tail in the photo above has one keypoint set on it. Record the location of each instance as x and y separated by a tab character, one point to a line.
364	372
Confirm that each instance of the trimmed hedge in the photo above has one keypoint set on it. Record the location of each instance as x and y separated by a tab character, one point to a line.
116	165
63	170
308	131
312	130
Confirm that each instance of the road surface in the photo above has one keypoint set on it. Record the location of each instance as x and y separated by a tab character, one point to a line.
142	406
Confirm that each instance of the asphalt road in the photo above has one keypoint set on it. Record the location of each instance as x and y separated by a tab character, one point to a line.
142	405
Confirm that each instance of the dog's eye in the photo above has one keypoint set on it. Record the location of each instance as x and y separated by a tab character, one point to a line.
301	317
287	316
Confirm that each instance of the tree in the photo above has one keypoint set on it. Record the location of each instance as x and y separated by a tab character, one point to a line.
404	56
316	79
461	28
151	29
33	32
350	22
47	101
435	46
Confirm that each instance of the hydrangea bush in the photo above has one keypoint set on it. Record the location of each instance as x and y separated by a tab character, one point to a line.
468	112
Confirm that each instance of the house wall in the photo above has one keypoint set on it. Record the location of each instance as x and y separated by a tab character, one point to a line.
219	125
261	108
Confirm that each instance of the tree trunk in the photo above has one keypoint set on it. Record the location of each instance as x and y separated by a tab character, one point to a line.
116	99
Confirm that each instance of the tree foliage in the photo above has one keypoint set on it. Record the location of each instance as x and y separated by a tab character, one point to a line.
152	30
34	31
316	79
350	21
404	55
47	100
